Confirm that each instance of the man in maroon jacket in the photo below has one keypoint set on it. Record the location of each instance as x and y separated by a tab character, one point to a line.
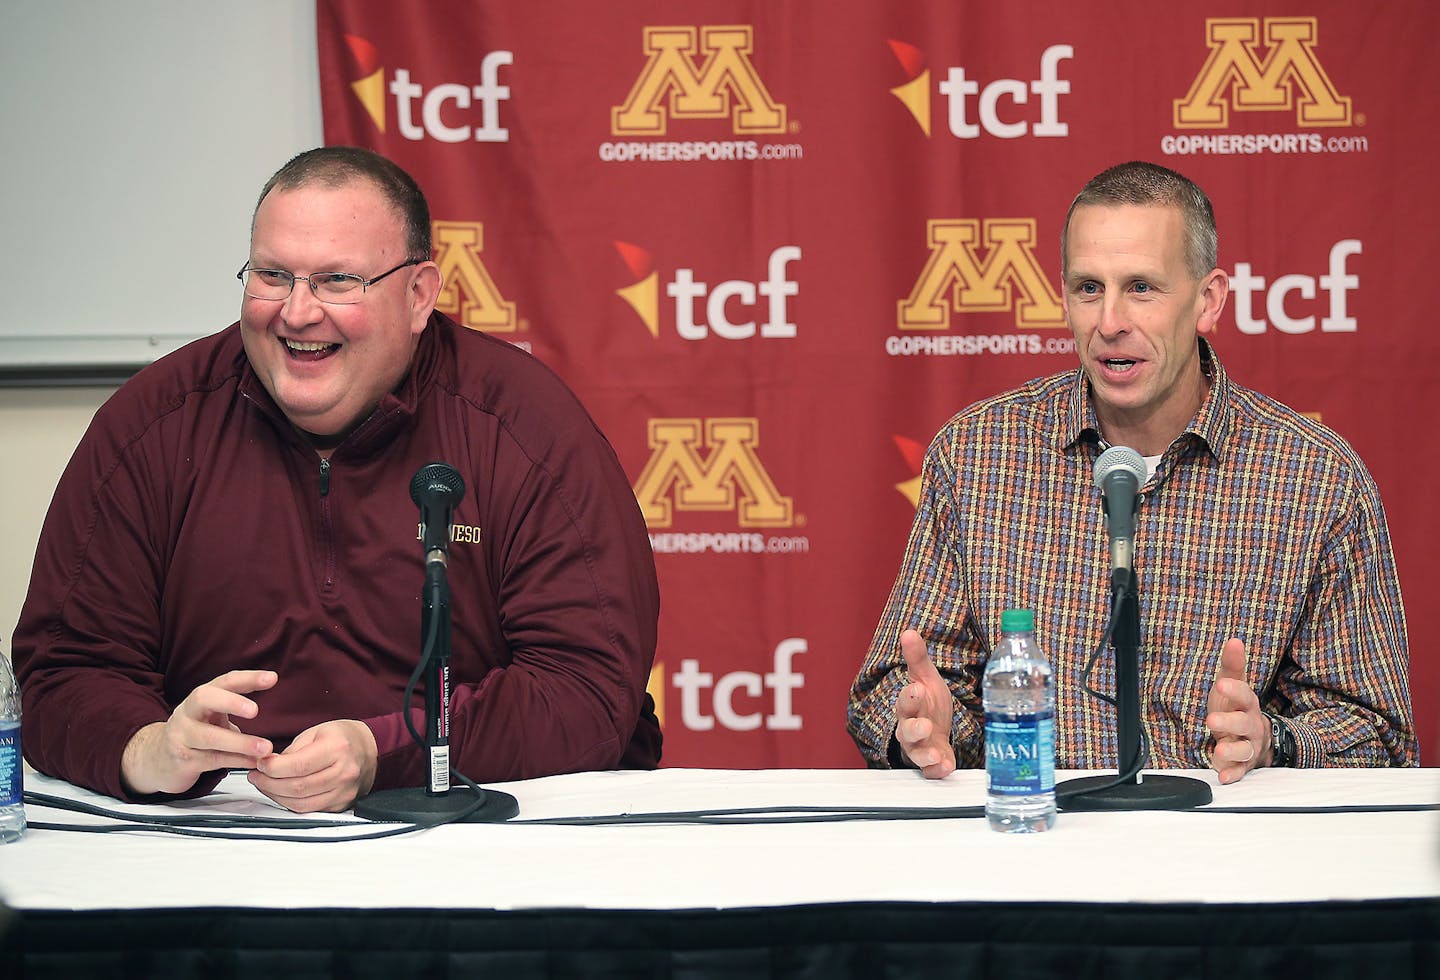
229	575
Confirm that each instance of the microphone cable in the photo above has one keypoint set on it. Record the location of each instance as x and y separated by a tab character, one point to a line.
427	652
211	826
216	827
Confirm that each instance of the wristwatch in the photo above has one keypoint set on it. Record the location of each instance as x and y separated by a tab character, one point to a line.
1282	743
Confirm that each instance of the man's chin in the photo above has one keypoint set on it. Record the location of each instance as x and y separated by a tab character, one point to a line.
321	426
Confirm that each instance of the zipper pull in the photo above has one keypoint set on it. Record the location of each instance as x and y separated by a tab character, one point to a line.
324	477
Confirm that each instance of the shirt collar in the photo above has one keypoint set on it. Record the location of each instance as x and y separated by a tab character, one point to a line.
1211	424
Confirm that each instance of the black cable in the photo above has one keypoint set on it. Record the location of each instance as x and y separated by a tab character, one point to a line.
821	814
185	820
183	831
426	651
756	815
714	817
1341	808
200	825
1110	622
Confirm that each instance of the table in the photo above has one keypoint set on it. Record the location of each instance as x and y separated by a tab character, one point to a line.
1139	893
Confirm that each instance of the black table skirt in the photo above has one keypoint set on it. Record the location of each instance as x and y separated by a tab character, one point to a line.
1395	940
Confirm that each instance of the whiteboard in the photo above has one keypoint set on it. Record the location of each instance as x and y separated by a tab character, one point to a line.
137	136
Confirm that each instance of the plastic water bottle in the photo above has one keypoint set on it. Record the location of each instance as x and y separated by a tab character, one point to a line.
12	765
1019	693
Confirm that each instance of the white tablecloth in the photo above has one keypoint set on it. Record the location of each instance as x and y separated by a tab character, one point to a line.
1088	857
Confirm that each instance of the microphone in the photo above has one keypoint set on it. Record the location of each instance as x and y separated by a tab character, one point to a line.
1118	473
436	489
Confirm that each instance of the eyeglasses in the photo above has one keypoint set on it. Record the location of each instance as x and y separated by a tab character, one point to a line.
338	288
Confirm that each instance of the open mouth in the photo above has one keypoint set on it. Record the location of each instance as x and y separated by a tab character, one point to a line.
308	350
1118	364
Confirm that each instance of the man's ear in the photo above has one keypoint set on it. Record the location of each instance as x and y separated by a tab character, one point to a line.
1214	289
424	293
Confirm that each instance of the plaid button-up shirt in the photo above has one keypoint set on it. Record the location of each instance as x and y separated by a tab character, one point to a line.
1257	523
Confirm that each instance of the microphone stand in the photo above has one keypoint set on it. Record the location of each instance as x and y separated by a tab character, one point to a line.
437	802
435	613
1130	791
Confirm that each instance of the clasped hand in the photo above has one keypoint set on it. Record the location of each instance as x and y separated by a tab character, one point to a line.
325	768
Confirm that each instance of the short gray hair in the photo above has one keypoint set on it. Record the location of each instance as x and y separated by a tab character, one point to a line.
1143	183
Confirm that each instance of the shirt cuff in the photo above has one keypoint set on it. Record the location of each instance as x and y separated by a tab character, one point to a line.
1309	750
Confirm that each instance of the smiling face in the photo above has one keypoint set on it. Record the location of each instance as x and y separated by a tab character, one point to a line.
328	366
1135	310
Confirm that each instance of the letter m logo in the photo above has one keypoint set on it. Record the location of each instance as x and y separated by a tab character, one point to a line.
957	279
724	84
730	477
469	294
1289	76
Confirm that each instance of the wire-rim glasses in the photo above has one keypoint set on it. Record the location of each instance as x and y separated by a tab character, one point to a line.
337	288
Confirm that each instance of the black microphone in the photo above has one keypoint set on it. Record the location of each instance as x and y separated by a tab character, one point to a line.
437	489
1118	473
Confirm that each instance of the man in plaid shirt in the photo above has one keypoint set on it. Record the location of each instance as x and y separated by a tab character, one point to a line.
1272	630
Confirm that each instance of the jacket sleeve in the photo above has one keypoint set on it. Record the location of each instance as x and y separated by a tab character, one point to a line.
1343	682
928	596
577	603
87	647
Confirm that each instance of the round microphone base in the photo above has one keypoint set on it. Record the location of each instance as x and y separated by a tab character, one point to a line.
415	805
1153	792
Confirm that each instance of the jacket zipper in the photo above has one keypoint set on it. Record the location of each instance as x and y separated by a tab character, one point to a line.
327	531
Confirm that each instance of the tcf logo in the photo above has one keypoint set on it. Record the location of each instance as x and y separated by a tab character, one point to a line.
447	112
959	87
694	684
1337	283
770	294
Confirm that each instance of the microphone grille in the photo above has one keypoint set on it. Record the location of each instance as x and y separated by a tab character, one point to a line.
437	477
1119	458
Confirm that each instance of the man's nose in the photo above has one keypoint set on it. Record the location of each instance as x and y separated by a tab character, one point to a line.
302	306
1112	323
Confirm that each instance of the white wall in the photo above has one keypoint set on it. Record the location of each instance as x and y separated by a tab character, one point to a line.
137	136
38	431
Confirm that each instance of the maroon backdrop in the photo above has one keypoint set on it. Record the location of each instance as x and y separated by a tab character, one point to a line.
774	246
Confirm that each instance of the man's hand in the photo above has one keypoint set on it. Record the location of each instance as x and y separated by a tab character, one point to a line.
169	756
923	712
324	770
1240	729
